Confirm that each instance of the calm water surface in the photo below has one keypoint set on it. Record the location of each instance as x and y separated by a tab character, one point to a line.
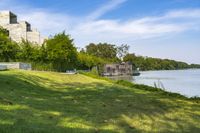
185	82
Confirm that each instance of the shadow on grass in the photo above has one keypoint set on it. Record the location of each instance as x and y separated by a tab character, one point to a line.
27	105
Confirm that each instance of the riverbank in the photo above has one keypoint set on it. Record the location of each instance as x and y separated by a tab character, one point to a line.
126	81
184	82
53	102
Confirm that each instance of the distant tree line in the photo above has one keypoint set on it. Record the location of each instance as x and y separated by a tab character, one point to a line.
149	63
60	54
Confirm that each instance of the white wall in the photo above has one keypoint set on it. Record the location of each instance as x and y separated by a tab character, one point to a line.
16	65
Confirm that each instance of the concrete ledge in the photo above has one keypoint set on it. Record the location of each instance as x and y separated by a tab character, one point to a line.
3	67
16	65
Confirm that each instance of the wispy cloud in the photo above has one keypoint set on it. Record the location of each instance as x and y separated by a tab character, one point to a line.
118	31
105	8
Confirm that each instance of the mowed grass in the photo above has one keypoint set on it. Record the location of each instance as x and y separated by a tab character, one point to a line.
47	102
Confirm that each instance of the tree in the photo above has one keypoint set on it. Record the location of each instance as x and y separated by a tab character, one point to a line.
8	49
86	61
122	51
61	52
102	50
149	63
29	52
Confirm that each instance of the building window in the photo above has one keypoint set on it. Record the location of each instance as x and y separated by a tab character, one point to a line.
28	27
13	19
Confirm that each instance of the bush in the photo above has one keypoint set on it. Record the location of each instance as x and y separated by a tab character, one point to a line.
94	71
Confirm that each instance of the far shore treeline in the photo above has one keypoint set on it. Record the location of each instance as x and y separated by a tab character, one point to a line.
59	53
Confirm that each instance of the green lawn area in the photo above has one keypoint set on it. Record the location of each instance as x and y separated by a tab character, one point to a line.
47	102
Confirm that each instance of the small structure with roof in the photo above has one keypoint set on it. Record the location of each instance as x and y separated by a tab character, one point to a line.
117	69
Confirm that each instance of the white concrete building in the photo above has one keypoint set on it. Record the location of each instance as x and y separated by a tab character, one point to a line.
19	30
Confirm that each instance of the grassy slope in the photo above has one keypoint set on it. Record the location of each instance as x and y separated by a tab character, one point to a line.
52	102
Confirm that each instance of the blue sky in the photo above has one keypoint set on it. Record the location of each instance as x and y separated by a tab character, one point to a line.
155	28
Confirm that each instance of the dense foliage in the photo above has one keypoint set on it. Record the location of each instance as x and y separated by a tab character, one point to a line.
102	50
8	49
107	51
148	63
56	54
60	54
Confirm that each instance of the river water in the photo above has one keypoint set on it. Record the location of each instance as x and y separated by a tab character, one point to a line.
185	82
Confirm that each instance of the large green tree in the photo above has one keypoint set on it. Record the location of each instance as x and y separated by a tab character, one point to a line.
102	50
61	52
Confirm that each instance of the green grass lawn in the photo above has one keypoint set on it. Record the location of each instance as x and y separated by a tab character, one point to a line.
45	102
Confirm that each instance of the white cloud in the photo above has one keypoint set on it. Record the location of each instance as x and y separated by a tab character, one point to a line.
116	31
192	13
47	22
91	28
